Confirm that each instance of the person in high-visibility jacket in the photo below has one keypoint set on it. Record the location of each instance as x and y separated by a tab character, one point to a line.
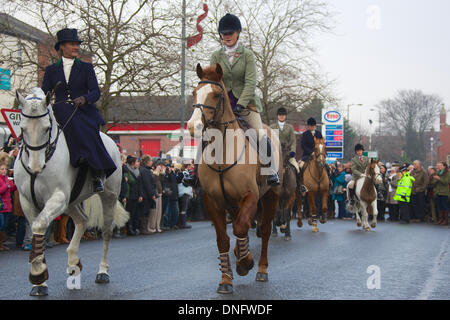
403	193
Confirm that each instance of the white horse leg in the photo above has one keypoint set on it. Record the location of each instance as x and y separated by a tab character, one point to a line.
365	216
375	214
54	207
109	201
76	213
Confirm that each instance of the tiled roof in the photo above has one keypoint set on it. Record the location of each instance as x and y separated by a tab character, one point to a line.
14	27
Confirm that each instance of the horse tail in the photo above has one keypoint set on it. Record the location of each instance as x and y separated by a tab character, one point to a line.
94	209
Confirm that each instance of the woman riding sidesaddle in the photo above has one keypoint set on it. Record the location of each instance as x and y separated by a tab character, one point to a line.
78	83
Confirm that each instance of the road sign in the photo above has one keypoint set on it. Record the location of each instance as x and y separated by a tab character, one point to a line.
371	154
12	118
333	131
337	155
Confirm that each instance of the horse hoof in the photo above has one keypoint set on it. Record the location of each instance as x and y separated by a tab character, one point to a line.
323	221
366	229
38	279
225	288
242	270
315	229
262	277
359	224
310	222
373	225
299	224
102	278
287	238
80	267
39	291
282	230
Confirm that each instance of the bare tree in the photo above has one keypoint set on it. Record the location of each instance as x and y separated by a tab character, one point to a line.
279	36
132	42
409	114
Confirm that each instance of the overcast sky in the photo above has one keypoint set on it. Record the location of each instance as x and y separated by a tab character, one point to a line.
406	46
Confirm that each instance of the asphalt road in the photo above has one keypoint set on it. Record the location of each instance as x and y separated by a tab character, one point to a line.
413	262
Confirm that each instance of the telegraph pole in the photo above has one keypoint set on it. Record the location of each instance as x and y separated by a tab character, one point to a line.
183	76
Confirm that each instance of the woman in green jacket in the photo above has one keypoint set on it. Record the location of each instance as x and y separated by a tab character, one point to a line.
441	189
239	76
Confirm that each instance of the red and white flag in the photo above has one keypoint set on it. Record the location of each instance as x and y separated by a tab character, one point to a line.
198	37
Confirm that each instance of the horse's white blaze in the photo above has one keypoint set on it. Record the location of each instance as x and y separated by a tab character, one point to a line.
195	122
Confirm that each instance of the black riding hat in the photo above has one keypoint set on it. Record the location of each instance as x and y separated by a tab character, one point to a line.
281	111
359	146
229	23
66	35
311	122
404	167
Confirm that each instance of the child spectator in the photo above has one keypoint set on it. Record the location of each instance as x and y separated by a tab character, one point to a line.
6	187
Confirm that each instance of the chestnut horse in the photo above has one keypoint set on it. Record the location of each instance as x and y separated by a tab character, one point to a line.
316	180
287	197
235	186
366	196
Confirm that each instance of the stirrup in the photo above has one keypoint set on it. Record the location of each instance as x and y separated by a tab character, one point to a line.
303	190
273	180
98	186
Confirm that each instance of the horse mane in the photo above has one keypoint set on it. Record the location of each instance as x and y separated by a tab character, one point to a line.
368	193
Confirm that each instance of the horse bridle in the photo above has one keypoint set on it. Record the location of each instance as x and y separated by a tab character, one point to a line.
216	109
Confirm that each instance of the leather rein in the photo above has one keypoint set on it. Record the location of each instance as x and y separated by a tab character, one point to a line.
49	146
213	123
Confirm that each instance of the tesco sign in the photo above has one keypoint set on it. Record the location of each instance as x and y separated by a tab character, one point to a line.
332	116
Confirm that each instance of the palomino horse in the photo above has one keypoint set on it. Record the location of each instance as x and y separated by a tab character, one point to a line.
45	179
236	185
366	195
315	179
287	197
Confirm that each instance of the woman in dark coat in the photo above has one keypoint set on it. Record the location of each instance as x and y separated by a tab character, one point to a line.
77	82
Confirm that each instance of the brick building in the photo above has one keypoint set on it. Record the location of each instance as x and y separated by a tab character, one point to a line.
443	151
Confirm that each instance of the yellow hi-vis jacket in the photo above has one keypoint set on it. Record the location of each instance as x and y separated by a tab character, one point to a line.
404	188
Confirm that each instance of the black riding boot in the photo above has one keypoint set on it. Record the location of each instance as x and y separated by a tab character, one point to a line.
273	179
97	177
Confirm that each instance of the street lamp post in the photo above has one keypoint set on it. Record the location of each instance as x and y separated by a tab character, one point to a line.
431	151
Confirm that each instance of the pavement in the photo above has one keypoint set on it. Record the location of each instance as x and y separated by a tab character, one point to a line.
342	261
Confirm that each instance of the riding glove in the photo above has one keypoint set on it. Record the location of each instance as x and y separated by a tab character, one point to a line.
77	102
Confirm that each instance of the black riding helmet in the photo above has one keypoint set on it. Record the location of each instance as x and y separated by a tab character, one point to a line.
281	111
359	146
229	24
311	122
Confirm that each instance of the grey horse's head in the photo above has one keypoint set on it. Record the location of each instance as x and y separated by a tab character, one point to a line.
36	126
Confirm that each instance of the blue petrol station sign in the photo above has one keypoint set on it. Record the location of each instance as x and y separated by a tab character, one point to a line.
333	131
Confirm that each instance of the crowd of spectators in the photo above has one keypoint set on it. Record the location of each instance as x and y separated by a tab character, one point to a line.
429	199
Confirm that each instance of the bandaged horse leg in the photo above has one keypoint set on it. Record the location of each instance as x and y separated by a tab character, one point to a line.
312	211
241	225
269	205
80	222
39	273
218	219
